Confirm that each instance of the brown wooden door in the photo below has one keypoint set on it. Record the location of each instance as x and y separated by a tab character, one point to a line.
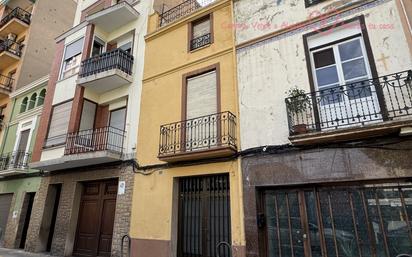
96	219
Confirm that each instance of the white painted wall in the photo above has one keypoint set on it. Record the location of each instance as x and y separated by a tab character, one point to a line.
65	89
266	70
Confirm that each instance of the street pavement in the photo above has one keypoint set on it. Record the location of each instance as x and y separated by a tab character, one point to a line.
19	253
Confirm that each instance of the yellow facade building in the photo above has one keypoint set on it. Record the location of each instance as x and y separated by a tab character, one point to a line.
187	198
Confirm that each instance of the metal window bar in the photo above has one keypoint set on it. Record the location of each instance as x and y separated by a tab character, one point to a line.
115	59
6	82
369	101
18	13
181	10
200	41
202	133
93	140
15	160
11	47
204	216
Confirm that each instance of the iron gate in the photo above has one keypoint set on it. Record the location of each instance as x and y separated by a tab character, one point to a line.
360	221
204	216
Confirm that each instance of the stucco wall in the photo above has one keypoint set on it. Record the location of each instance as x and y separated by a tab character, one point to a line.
266	70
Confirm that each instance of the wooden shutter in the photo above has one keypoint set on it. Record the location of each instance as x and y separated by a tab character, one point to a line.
201	28
201	95
88	115
59	123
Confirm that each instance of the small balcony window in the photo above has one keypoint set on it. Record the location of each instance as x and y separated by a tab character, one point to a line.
309	3
42	95
201	33
32	102
72	58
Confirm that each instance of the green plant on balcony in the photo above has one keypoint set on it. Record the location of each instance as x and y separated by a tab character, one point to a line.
297	103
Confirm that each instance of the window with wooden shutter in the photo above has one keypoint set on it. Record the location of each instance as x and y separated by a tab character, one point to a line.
59	124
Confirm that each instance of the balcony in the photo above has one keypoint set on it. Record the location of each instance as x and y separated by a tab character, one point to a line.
363	109
6	84
10	52
182	10
204	137
114	17
14	163
85	148
107	71
15	22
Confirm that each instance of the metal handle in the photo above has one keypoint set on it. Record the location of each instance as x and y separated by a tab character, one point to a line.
225	244
404	255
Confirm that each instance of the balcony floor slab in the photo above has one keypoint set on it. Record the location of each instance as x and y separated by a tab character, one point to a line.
351	133
77	160
105	81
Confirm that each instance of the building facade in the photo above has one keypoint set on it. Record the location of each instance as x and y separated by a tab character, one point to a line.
18	183
325	109
27	33
87	133
187	190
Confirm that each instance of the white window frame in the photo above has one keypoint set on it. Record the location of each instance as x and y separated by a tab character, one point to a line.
20	129
101	41
62	71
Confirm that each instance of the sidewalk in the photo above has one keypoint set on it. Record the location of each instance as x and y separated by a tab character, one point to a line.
19	253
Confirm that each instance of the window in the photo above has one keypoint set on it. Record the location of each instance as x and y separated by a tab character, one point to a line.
72	58
127	47
98	47
118	118
23	105
59	124
42	95
11	79
88	115
32	102
340	64
200	33
309	3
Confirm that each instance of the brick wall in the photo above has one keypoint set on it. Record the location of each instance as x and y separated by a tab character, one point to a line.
63	236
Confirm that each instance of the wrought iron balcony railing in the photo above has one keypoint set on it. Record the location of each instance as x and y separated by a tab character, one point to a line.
370	101
15	160
6	83
115	59
18	13
94	140
11	47
198	134
200	41
181	10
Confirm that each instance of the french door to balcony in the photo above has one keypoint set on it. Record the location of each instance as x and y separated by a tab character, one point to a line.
345	95
349	221
202	123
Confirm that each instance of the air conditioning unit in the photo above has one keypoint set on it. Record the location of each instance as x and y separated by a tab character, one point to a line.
12	37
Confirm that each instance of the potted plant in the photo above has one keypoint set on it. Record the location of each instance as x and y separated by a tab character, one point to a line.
297	102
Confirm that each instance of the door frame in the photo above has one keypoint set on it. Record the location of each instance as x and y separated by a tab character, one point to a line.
372	66
100	212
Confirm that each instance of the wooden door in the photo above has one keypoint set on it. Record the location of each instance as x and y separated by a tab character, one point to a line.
96	219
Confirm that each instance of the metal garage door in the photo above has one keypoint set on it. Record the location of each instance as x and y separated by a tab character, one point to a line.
5	202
